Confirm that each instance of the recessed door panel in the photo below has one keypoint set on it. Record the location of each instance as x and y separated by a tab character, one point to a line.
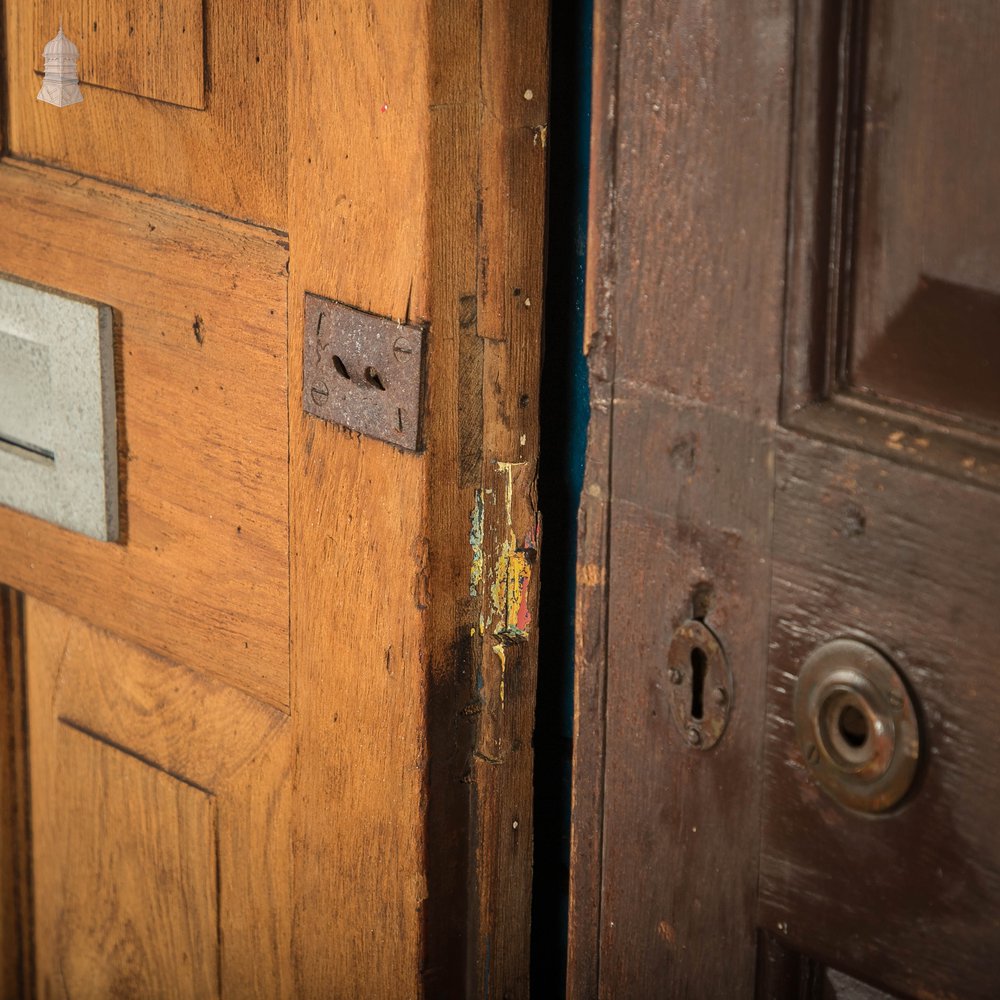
200	570
190	103
160	822
925	273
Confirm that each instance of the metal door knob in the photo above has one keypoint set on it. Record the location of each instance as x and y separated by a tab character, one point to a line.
856	725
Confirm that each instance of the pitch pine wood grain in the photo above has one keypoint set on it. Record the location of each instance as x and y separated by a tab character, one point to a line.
160	806
16	923
231	157
134	911
428	835
359	519
201	574
139	47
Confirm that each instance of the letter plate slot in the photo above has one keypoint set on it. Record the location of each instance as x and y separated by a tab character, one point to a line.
58	457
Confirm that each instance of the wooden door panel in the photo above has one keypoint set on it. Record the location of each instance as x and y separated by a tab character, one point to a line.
867	548
793	437
316	700
200	334
885	536
160	803
140	47
132	859
226	151
925	284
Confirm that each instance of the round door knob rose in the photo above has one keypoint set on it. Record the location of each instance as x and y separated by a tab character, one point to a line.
856	725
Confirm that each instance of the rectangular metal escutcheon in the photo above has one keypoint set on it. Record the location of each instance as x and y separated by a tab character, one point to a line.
362	371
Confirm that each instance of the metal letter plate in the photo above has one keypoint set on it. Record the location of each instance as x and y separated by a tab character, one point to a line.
58	452
364	372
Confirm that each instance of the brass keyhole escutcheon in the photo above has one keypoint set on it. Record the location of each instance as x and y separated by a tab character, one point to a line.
700	685
856	725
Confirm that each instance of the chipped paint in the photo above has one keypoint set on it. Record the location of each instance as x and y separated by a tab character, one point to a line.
511	573
500	574
502	657
476	541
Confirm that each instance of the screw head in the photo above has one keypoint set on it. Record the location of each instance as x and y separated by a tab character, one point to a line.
676	676
320	392
402	349
694	736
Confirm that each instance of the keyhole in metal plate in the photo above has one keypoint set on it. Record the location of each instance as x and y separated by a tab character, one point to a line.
341	367
699	664
853	726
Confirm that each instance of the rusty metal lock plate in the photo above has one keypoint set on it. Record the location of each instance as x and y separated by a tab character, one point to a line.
700	685
362	371
856	725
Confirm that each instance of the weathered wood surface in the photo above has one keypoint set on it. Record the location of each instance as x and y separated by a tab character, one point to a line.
16	919
231	157
865	547
590	648
201	575
695	271
404	660
139	47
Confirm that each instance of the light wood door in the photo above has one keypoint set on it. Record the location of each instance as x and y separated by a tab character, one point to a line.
275	739
793	457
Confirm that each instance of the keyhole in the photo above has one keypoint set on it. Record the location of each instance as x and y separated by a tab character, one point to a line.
373	378
699	665
853	726
341	367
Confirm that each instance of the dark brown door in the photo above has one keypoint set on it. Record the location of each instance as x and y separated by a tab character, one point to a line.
787	761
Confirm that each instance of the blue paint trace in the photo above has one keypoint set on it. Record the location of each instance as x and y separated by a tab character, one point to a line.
565	413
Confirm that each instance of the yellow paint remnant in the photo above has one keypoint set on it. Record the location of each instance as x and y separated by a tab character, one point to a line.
502	657
511	573
591	575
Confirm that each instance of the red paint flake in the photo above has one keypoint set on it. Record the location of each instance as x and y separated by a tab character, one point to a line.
523	615
385	107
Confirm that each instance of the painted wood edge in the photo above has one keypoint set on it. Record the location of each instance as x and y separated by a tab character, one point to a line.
591	640
16	943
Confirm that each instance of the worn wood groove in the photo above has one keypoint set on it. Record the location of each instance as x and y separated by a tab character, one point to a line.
591	639
16	921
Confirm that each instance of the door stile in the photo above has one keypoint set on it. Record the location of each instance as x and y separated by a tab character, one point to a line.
412	842
16	953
